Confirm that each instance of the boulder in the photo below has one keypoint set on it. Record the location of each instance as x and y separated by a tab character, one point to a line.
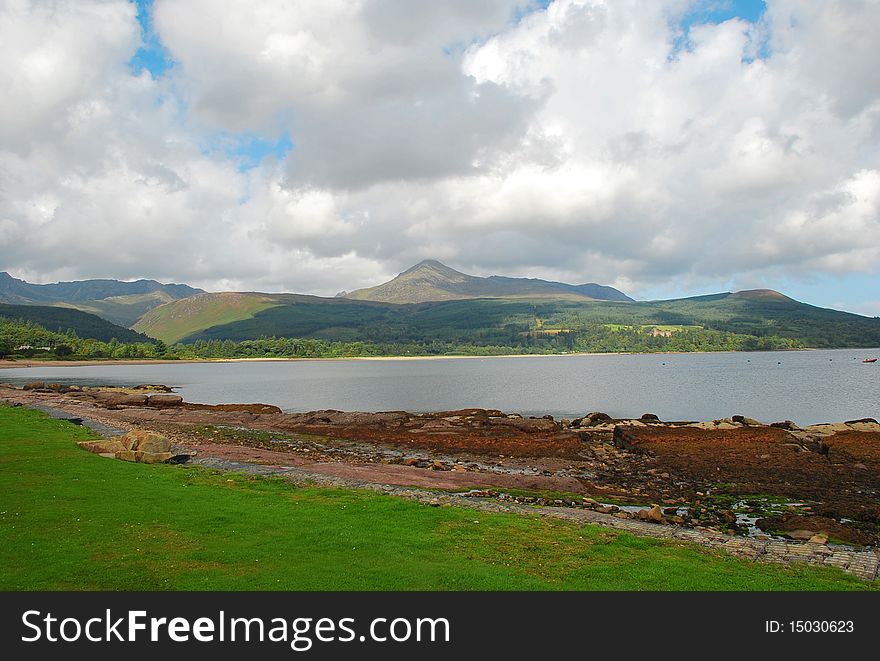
110	399
106	446
153	457
150	442
864	425
804	535
164	401
728	517
35	385
861	420
650	416
749	422
143	441
654	514
155	387
126	455
595	418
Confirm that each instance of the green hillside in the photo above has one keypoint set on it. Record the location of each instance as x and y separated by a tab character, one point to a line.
175	321
123	310
615	326
61	320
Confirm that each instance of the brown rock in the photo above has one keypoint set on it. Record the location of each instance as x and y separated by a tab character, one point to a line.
819	539
801	534
126	455
154	457
106	446
654	514
156	387
109	399
749	422
594	418
144	441
164	401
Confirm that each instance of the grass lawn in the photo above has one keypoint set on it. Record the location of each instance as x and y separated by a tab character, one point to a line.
73	520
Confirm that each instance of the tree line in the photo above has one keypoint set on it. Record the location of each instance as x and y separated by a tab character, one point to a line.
19	338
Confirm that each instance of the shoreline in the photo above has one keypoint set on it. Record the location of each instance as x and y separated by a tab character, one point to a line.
11	364
626	473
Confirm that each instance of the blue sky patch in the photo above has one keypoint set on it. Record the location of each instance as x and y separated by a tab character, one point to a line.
719	11
152	55
249	150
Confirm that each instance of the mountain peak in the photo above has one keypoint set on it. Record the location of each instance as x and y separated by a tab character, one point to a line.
761	295
431	265
430	280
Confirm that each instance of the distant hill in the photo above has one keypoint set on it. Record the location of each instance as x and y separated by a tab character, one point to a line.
120	302
432	281
60	320
496	321
176	321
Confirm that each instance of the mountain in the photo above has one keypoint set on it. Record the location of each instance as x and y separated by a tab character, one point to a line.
432	281
119	302
512	322
60	320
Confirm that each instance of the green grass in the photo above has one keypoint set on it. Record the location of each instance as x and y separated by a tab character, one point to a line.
74	520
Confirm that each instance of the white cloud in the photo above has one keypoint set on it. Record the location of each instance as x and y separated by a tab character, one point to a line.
574	144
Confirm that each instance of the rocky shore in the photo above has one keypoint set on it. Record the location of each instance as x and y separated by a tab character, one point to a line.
815	488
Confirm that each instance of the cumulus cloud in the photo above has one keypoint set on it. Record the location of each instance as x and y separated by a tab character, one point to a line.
584	141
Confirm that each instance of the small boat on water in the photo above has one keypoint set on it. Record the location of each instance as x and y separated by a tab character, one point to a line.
869	360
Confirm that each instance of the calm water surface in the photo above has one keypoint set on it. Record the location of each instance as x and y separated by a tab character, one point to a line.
804	386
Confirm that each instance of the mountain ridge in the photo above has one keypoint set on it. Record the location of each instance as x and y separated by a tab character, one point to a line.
513	322
431	280
117	301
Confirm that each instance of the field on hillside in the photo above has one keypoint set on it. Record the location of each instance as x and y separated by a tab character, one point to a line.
74	520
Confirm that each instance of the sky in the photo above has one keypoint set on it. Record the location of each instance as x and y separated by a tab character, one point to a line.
667	148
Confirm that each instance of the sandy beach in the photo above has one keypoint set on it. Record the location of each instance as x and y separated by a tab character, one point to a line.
5	364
